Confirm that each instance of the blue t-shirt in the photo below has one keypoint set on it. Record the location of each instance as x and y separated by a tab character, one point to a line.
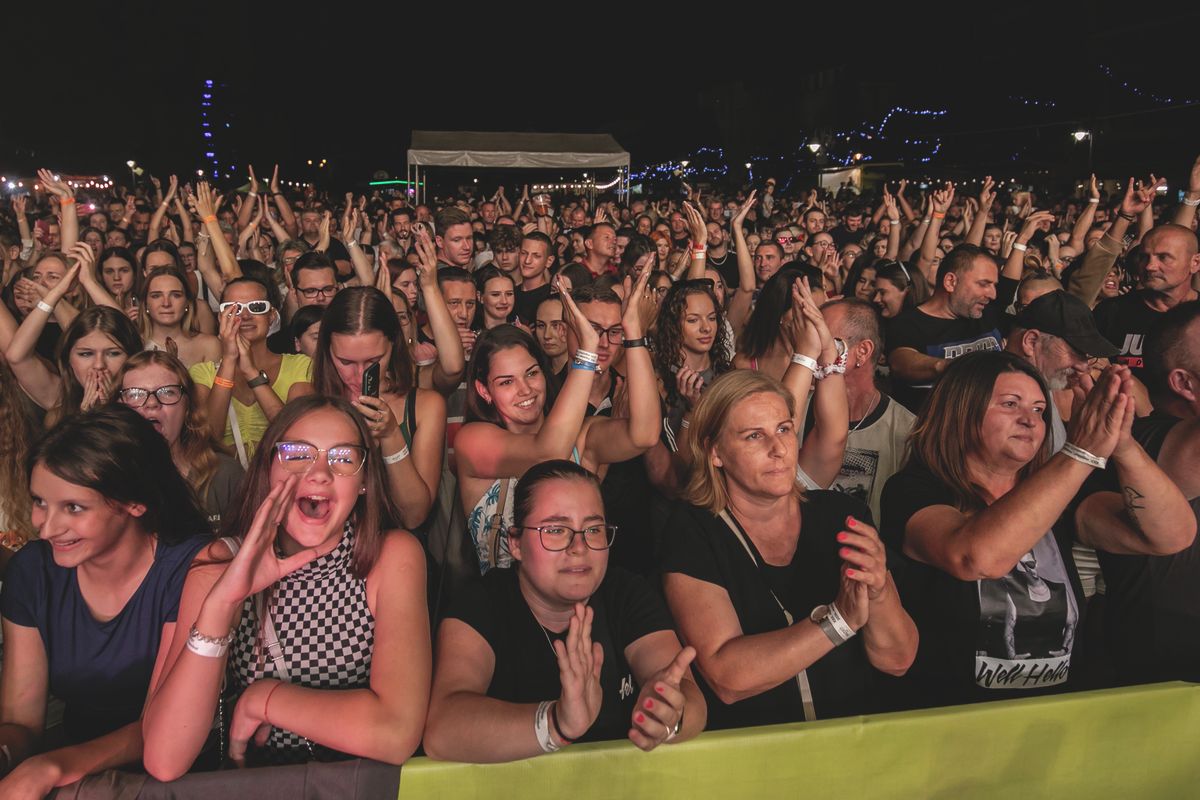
100	670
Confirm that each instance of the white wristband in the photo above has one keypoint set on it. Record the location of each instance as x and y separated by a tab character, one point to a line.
1097	200
1191	203
42	305
1020	247
587	357
806	361
1083	456
541	728
839	622
397	457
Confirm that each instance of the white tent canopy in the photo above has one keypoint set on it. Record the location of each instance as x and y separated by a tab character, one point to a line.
515	151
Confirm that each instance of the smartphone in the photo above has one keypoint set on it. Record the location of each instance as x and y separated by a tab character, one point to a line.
370	381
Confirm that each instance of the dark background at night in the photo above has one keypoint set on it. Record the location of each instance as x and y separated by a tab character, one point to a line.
88	90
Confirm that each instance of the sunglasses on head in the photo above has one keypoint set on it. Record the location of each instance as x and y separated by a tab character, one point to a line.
254	307
787	239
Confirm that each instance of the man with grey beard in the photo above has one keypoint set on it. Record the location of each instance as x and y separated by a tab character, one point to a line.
1056	334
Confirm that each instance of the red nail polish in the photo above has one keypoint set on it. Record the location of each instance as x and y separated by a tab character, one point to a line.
640	717
845	551
841	537
851	522
849	573
658	687
649	703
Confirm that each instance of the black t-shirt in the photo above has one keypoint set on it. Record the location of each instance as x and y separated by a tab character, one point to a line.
526	302
843	236
1125	321
992	639
282	342
625	609
727	267
701	546
944	338
1152	614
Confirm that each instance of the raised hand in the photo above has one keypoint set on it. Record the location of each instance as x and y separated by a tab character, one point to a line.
253	179
579	663
697	228
18	205
987	195
660	704
943	198
639	308
814	320
255	566
1094	188
1099	425
275	180
744	208
228	333
426	254
205	206
172	189
585	334
1032	223
59	188
1140	197
377	413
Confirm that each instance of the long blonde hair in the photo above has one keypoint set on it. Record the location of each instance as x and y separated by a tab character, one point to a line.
707	487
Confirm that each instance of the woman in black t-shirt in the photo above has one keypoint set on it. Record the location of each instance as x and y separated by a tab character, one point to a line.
562	648
750	565
992	588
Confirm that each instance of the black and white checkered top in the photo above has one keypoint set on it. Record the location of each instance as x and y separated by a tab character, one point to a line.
325	629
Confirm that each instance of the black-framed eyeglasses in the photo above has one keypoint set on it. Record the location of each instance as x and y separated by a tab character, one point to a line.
557	538
312	293
299	457
615	334
136	397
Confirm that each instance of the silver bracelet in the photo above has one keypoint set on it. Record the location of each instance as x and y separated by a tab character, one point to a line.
397	457
208	646
806	361
1083	456
541	727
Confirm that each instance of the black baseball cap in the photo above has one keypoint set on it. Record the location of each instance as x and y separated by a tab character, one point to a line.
1060	314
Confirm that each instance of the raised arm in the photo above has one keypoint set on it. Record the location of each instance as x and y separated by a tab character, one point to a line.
1088	215
988	543
1014	266
1150	516
35	377
987	196
250	206
609	440
451	357
161	210
489	451
893	216
940	204
352	223
68	215
824	448
206	207
1085	282
287	217
698	255
742	300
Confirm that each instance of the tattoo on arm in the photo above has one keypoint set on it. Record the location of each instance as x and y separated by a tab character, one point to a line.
1133	502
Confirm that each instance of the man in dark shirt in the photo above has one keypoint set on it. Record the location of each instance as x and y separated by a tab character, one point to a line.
1152	618
960	318
534	260
1172	262
314	283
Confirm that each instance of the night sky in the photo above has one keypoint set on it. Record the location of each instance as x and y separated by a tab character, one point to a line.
87	91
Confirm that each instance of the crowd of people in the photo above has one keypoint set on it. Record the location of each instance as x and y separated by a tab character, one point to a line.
294	476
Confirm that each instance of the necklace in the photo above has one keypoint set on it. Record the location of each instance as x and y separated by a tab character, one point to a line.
867	415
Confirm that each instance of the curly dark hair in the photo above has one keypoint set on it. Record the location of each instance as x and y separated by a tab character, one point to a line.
668	335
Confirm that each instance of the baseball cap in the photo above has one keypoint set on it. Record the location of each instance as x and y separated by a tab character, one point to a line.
1060	314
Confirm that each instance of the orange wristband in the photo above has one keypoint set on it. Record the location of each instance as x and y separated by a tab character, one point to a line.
66	201
939	215
213	218
224	382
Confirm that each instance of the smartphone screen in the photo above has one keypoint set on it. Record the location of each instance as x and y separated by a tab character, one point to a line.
370	381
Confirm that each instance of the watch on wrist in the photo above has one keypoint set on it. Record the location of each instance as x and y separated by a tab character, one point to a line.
259	380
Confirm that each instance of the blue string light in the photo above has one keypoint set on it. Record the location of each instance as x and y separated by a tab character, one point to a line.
1139	92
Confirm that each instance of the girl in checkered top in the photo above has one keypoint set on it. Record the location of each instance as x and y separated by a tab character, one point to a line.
302	600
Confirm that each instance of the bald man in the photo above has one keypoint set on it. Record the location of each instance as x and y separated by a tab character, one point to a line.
1172	262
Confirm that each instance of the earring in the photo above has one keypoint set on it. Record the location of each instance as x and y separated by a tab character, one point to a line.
362	490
